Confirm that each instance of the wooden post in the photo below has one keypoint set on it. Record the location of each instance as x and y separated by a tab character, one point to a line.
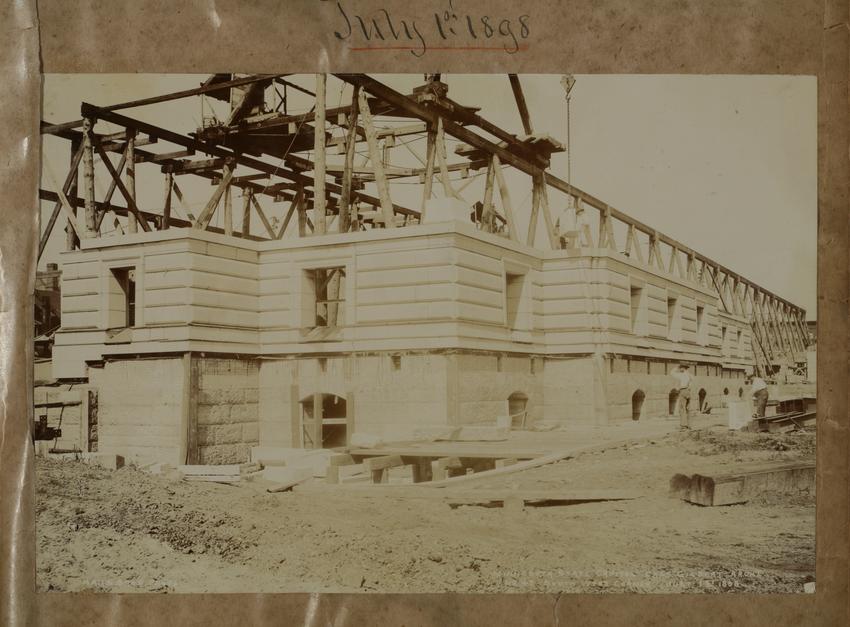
488	197
377	165
208	212
507	206
547	214
448	190
88	177
228	211
191	379
166	211
429	170
520	103
246	212
350	145
349	417
301	209
319	200
132	223
317	420
535	210
296	426
71	240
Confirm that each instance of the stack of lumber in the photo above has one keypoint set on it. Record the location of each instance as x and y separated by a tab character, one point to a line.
225	473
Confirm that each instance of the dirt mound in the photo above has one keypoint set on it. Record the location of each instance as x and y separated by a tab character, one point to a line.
706	443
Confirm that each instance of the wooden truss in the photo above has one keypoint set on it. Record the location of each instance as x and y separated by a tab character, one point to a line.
275	156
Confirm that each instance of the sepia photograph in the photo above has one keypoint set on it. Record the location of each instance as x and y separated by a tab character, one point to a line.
381	333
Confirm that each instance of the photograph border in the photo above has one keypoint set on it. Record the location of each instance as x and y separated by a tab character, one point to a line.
613	36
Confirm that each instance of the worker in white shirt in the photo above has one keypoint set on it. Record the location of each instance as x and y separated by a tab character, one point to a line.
760	394
683	399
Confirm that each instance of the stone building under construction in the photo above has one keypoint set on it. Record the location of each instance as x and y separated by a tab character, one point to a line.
358	313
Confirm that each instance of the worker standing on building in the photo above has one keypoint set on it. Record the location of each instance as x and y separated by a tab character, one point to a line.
760	395
683	399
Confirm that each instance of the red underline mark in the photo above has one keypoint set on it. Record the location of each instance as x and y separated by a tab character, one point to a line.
521	48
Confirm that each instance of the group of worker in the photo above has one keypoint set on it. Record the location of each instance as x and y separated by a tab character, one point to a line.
683	386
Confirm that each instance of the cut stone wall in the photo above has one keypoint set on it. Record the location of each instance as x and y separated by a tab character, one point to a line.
227	410
631	375
140	408
485	381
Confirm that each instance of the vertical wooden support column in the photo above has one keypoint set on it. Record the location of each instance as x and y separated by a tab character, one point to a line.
228	211
319	200
301	208
71	240
429	170
535	210
132	222
191	380
246	212
377	165
350	145
88	177
166	210
296	425
349	417
318	417
507	206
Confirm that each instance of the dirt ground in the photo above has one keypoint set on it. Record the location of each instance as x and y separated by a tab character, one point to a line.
129	531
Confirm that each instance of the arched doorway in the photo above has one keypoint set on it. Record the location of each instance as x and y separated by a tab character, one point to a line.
334	429
518	409
740	392
701	396
637	404
725	391
672	399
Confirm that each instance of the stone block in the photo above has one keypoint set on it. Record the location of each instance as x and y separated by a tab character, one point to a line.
219	434
224	454
213	414
285	474
244	412
250	432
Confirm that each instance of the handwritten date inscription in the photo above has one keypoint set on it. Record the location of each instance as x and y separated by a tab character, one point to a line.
450	28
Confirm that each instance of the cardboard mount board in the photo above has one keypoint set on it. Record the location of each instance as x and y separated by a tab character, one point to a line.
613	36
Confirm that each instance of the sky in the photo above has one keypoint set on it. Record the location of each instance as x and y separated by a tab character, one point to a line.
727	165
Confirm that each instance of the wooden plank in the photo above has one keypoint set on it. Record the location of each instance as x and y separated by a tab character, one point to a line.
440	468
746	482
319	200
246	212
382	462
318	415
348	165
431	154
208	212
504	194
266	224
535	211
132	221
128	197
166	210
440	146
69	186
377	165
191	376
228	210
551	232
516	87
295	426
63	199
186	209
88	176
